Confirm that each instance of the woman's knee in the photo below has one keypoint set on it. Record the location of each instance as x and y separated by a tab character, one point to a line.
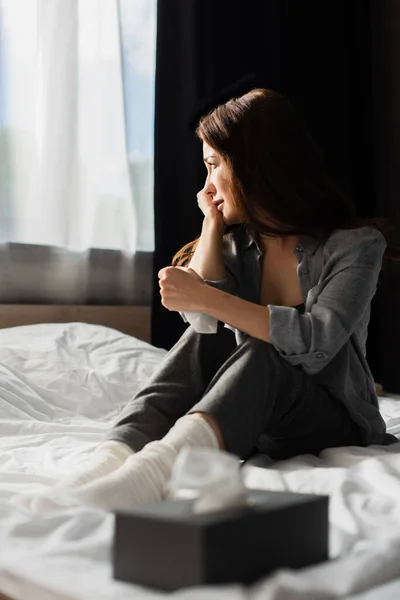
256	344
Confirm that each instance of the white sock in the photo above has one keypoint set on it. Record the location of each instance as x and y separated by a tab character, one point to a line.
105	459
143	476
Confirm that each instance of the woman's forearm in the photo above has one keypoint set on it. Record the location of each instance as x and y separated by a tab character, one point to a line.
207	260
248	317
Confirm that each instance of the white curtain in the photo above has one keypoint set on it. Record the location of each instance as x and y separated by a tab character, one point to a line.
68	181
76	134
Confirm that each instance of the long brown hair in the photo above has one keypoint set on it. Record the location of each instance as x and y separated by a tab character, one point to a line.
277	173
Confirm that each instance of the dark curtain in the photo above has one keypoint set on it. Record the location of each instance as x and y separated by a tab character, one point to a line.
318	53
201	46
385	20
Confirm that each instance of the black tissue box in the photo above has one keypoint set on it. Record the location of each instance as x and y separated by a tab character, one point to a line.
166	546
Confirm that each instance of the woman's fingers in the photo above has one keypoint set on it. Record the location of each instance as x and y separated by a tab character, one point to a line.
204	200
207	207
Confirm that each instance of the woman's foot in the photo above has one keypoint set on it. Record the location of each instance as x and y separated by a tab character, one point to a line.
140	480
143	477
106	458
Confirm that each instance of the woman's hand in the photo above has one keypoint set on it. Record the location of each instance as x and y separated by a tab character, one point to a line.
181	289
208	207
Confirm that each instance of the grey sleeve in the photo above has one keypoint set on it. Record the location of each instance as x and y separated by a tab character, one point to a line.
225	285
347	286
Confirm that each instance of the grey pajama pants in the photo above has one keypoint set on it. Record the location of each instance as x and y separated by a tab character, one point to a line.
262	404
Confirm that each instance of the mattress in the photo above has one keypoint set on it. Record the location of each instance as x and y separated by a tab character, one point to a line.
63	385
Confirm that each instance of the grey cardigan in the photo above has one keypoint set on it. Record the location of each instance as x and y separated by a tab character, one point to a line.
338	278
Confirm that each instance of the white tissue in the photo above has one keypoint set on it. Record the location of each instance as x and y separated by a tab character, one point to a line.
201	322
212	477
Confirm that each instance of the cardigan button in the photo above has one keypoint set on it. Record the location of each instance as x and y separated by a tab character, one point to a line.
299	249
320	355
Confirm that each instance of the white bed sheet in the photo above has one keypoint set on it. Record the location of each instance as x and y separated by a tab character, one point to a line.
61	387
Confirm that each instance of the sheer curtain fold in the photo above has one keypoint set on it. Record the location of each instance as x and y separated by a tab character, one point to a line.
72	185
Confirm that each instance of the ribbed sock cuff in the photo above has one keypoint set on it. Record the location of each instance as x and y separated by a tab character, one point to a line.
192	430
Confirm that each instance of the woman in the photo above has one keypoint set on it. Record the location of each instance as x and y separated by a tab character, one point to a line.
285	263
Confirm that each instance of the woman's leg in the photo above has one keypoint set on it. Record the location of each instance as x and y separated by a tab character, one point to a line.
253	399
262	404
256	401
178	384
174	388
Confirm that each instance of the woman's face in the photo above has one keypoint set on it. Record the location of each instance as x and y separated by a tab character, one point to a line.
217	185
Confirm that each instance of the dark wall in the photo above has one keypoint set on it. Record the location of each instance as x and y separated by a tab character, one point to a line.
318	53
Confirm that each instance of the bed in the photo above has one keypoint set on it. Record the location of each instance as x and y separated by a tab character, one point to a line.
63	384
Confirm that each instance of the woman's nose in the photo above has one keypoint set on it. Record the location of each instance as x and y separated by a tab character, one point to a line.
209	188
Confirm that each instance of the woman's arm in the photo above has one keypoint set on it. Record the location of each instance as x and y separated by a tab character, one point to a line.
348	284
248	317
215	256
207	260
183	290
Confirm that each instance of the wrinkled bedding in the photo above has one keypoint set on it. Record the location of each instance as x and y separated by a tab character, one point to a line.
61	387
